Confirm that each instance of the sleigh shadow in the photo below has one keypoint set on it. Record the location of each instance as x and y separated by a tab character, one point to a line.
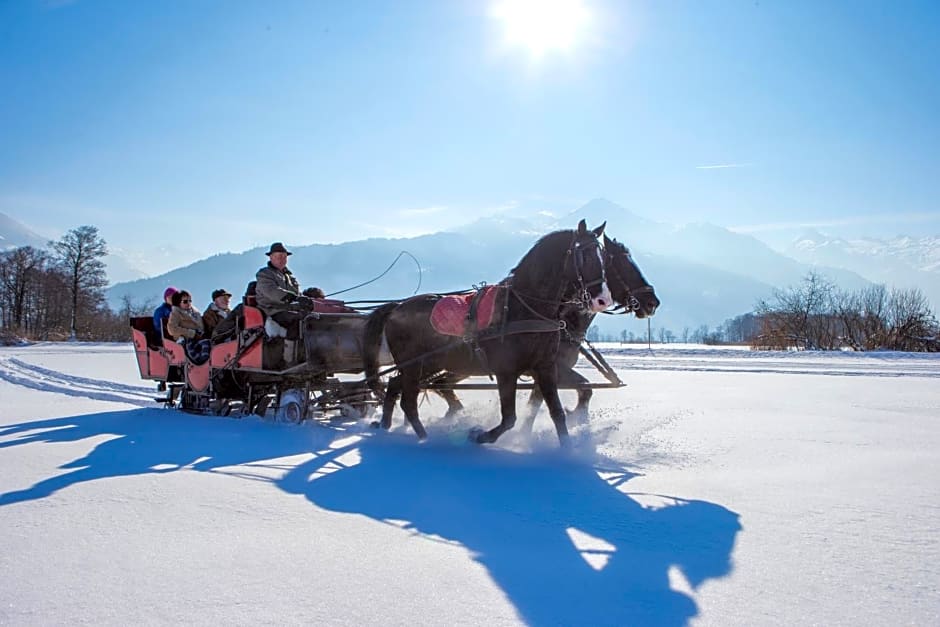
151	441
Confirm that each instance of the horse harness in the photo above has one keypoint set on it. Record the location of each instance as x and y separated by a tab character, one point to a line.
540	323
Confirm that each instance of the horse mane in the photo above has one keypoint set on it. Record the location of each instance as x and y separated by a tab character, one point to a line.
533	264
612	241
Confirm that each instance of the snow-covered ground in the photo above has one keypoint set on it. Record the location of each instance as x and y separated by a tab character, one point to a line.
720	487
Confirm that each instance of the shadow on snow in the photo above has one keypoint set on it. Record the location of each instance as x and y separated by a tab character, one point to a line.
555	533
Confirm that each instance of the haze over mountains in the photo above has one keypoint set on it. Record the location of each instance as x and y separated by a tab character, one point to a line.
13	234
703	273
904	261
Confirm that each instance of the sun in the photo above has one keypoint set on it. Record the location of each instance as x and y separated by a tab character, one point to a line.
541	26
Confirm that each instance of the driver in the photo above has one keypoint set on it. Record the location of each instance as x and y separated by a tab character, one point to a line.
278	295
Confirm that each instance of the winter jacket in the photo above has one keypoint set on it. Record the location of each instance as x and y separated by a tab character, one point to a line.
276	289
160	314
183	323
225	330
213	316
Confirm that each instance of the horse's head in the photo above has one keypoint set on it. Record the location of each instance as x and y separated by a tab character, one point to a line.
627	284
565	267
584	268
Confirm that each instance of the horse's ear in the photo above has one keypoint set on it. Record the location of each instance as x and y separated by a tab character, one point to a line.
582	227
606	239
600	230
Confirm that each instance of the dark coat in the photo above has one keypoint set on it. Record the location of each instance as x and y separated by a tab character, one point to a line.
213	316
225	330
183	323
276	289
160	315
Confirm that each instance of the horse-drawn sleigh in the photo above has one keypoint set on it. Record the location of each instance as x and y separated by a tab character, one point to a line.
532	323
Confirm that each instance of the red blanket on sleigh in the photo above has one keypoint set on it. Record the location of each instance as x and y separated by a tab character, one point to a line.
449	316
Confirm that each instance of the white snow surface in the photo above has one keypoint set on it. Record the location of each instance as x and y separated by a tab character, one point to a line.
720	487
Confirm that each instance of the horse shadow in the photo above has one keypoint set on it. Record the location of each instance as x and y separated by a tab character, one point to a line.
556	534
152	441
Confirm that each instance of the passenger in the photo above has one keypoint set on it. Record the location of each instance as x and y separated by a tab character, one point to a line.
162	313
185	327
216	312
226	329
278	293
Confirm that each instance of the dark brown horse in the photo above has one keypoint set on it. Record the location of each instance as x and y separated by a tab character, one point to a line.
632	293
629	290
563	268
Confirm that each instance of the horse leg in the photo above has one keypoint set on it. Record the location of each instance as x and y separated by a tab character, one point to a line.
392	393
535	401
546	380
453	403
569	378
507	403
410	389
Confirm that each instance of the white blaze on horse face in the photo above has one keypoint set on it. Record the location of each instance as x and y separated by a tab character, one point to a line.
603	300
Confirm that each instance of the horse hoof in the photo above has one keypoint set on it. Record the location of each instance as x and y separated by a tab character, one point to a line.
475	435
375	424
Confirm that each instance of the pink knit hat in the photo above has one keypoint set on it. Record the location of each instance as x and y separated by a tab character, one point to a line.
169	292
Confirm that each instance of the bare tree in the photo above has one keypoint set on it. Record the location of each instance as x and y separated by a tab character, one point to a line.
740	329
79	253
698	336
800	317
818	316
912	326
22	272
847	310
873	305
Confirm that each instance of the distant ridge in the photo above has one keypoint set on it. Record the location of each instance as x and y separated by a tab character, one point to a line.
703	273
904	261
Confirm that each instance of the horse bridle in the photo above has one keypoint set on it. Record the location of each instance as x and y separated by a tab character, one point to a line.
633	304
577	250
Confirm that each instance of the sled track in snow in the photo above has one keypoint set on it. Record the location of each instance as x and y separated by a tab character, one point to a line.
800	363
34	377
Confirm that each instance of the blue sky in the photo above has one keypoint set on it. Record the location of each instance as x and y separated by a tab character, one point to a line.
223	125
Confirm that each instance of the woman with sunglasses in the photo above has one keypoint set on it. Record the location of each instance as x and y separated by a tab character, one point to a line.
185	326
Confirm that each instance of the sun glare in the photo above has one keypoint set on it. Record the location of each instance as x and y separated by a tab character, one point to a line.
541	26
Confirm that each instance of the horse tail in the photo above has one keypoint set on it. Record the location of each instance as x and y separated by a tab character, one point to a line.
372	344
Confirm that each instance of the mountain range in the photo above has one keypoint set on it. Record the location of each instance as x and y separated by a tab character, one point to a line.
703	273
903	261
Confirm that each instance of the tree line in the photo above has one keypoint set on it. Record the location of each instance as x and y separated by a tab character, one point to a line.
59	293
814	315
817	315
